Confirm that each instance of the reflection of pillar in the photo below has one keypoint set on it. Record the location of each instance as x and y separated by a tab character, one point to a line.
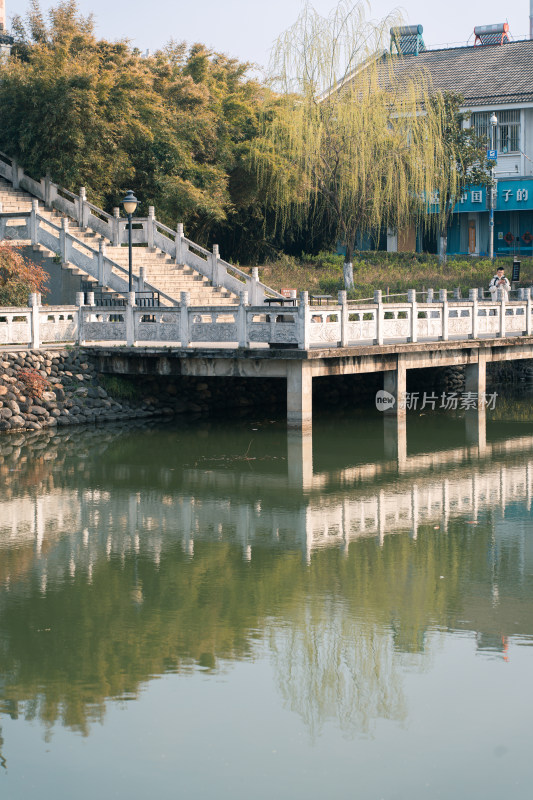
381	517
503	490
300	458
395	383
476	428
395	438
414	510
299	394
445	504
475	418
39	524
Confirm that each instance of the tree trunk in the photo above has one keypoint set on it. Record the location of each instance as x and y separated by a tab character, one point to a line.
348	266
348	275
443	254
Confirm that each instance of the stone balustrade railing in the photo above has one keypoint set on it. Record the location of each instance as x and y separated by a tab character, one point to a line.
146	231
249	325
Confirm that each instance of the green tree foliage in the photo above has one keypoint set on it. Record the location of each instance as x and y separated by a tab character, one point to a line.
175	127
18	277
347	139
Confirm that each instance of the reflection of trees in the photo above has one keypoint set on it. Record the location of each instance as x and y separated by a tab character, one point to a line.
336	658
65	652
332	665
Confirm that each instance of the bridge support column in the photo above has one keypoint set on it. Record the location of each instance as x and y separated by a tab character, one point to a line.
299	395
395	383
300	458
476	375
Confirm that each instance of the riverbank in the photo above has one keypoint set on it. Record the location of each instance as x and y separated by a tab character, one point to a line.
58	388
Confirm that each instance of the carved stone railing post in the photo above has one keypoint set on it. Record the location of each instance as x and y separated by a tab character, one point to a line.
185	301
343	303
215	266
47	182
130	319
303	325
242	327
180	256
15	173
472	296
102	272
528	313
150	229
80	302
443	298
35	304
256	299
33	224
380	316
83	209
411	298
64	244
501	298
457	294
430	296
116	228
142	279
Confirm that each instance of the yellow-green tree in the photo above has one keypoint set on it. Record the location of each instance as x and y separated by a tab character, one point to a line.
346	139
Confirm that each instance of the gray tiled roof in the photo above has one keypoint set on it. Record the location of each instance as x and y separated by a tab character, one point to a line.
483	75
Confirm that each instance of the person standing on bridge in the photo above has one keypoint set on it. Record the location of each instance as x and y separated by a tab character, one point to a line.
499	281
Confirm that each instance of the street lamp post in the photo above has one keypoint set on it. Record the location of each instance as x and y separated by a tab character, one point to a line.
130	204
493	123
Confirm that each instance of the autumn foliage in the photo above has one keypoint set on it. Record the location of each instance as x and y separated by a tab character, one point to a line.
18	277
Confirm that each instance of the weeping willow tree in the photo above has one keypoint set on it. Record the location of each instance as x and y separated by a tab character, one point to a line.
347	140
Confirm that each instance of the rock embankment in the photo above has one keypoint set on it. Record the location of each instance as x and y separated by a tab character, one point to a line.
44	389
54	388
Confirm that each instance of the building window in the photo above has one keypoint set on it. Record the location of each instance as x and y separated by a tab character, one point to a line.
507	129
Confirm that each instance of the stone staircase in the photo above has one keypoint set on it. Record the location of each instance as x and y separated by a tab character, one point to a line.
161	272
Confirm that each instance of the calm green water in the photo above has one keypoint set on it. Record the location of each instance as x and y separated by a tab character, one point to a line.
204	612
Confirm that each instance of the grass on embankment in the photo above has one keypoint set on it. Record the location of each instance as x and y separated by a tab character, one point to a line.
396	272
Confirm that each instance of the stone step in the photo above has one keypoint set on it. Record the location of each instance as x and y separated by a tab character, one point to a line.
160	269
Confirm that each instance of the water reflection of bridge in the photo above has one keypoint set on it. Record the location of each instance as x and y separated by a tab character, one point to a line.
75	526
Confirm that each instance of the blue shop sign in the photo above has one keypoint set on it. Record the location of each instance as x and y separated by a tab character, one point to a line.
511	195
515	195
473	199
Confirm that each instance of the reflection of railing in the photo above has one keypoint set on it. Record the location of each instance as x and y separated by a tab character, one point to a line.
229	506
147	231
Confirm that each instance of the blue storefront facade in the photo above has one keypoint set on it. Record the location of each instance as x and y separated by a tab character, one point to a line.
468	233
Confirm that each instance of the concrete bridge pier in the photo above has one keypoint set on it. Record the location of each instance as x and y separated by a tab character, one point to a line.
395	383
299	395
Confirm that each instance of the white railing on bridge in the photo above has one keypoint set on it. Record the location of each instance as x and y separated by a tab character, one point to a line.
146	231
248	325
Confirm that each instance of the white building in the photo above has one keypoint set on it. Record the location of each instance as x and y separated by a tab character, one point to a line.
495	77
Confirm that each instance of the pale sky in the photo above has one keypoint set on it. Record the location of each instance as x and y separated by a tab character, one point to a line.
246	29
